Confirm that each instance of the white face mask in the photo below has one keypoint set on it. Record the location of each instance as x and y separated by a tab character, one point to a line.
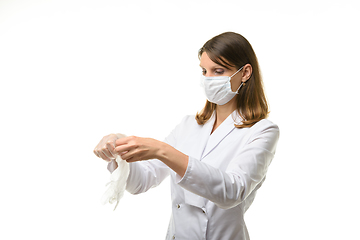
218	89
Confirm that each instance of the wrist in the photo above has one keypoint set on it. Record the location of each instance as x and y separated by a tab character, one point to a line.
173	158
162	152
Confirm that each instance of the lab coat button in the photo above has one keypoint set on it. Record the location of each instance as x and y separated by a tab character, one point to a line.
173	237
178	206
203	211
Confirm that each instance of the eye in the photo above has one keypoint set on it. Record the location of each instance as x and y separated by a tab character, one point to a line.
203	71
219	71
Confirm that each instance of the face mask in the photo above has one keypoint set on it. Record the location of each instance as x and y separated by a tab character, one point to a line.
218	89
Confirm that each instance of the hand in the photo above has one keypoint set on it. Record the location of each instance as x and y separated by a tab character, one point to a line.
105	148
134	149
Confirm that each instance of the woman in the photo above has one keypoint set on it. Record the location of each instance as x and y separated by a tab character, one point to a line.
217	159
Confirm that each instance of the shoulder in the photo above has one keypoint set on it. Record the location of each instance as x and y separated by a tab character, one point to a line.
266	130
265	124
185	127
188	120
189	125
262	129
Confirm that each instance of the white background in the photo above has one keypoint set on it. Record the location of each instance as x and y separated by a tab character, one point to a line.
72	71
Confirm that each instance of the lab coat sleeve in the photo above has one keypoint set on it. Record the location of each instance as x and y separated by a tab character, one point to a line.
143	175
229	188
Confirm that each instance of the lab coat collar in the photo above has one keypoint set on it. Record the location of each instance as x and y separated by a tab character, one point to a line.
225	128
209	143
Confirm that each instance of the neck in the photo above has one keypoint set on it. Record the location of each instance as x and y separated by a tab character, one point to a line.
223	111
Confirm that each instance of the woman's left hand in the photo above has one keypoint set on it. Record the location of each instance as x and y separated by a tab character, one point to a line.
133	149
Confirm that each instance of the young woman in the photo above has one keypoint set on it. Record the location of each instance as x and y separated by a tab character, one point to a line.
217	159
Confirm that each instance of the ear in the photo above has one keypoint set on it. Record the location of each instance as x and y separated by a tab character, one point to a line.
246	73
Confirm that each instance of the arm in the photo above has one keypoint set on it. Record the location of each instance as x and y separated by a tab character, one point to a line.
133	149
173	158
146	174
143	175
244	173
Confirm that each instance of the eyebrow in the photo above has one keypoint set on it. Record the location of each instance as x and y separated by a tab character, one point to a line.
216	66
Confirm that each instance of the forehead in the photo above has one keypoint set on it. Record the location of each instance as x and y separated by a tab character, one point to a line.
206	62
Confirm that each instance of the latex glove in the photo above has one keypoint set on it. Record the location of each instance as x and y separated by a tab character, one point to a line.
105	148
117	185
118	178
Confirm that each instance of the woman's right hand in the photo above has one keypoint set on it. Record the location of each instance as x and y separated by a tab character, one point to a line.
105	148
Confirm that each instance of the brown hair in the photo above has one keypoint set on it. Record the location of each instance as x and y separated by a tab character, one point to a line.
233	50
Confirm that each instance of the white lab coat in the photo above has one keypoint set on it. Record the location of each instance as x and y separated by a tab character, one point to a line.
225	170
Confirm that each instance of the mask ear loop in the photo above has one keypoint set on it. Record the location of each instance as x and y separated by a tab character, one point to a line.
237	91
237	71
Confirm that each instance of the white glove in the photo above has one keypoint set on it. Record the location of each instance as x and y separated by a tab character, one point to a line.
117	184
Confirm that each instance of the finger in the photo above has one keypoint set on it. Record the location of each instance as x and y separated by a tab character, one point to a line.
101	153
96	154
122	149
125	140
110	149
120	141
132	156
108	154
104	157
110	145
126	155
130	160
108	157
